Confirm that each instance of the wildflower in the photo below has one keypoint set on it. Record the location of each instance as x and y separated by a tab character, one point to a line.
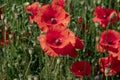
51	15
80	19
118	15
104	16
109	65
33	9
59	3
0	12
7	41
59	41
109	41
115	54
79	43
81	68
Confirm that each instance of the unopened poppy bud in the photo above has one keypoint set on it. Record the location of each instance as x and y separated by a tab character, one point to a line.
97	38
36	77
26	4
5	21
98	1
75	30
34	43
82	2
30	51
6	28
118	1
30	77
10	36
20	75
13	7
15	79
112	15
107	70
1	16
96	24
58	61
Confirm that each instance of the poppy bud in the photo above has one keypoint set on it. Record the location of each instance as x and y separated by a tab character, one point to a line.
26	4
113	14
96	24
58	61
36	77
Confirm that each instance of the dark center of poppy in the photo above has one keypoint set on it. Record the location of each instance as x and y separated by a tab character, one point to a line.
53	21
57	42
104	16
110	42
79	70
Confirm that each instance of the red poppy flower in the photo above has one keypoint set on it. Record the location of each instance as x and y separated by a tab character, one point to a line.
115	54
7	41
33	9
81	68
118	15
51	15
79	43
80	19
59	2
59	41
109	41
0	12
105	16
109	65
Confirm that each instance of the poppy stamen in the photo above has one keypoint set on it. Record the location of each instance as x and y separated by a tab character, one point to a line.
53	21
110	42
104	16
57	42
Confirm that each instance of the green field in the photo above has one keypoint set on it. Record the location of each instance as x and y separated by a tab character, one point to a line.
24	59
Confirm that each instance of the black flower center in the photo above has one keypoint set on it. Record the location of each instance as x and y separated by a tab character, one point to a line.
57	42
104	16
53	21
110	42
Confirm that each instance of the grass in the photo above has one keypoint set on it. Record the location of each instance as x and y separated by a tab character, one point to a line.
23	59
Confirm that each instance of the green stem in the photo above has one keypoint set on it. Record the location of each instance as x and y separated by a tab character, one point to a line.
106	78
28	65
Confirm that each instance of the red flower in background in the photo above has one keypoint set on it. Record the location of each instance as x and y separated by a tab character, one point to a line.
59	41
109	41
79	43
59	3
80	19
118	15
81	68
7	40
116	54
0	12
51	15
109	65
33	9
105	16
